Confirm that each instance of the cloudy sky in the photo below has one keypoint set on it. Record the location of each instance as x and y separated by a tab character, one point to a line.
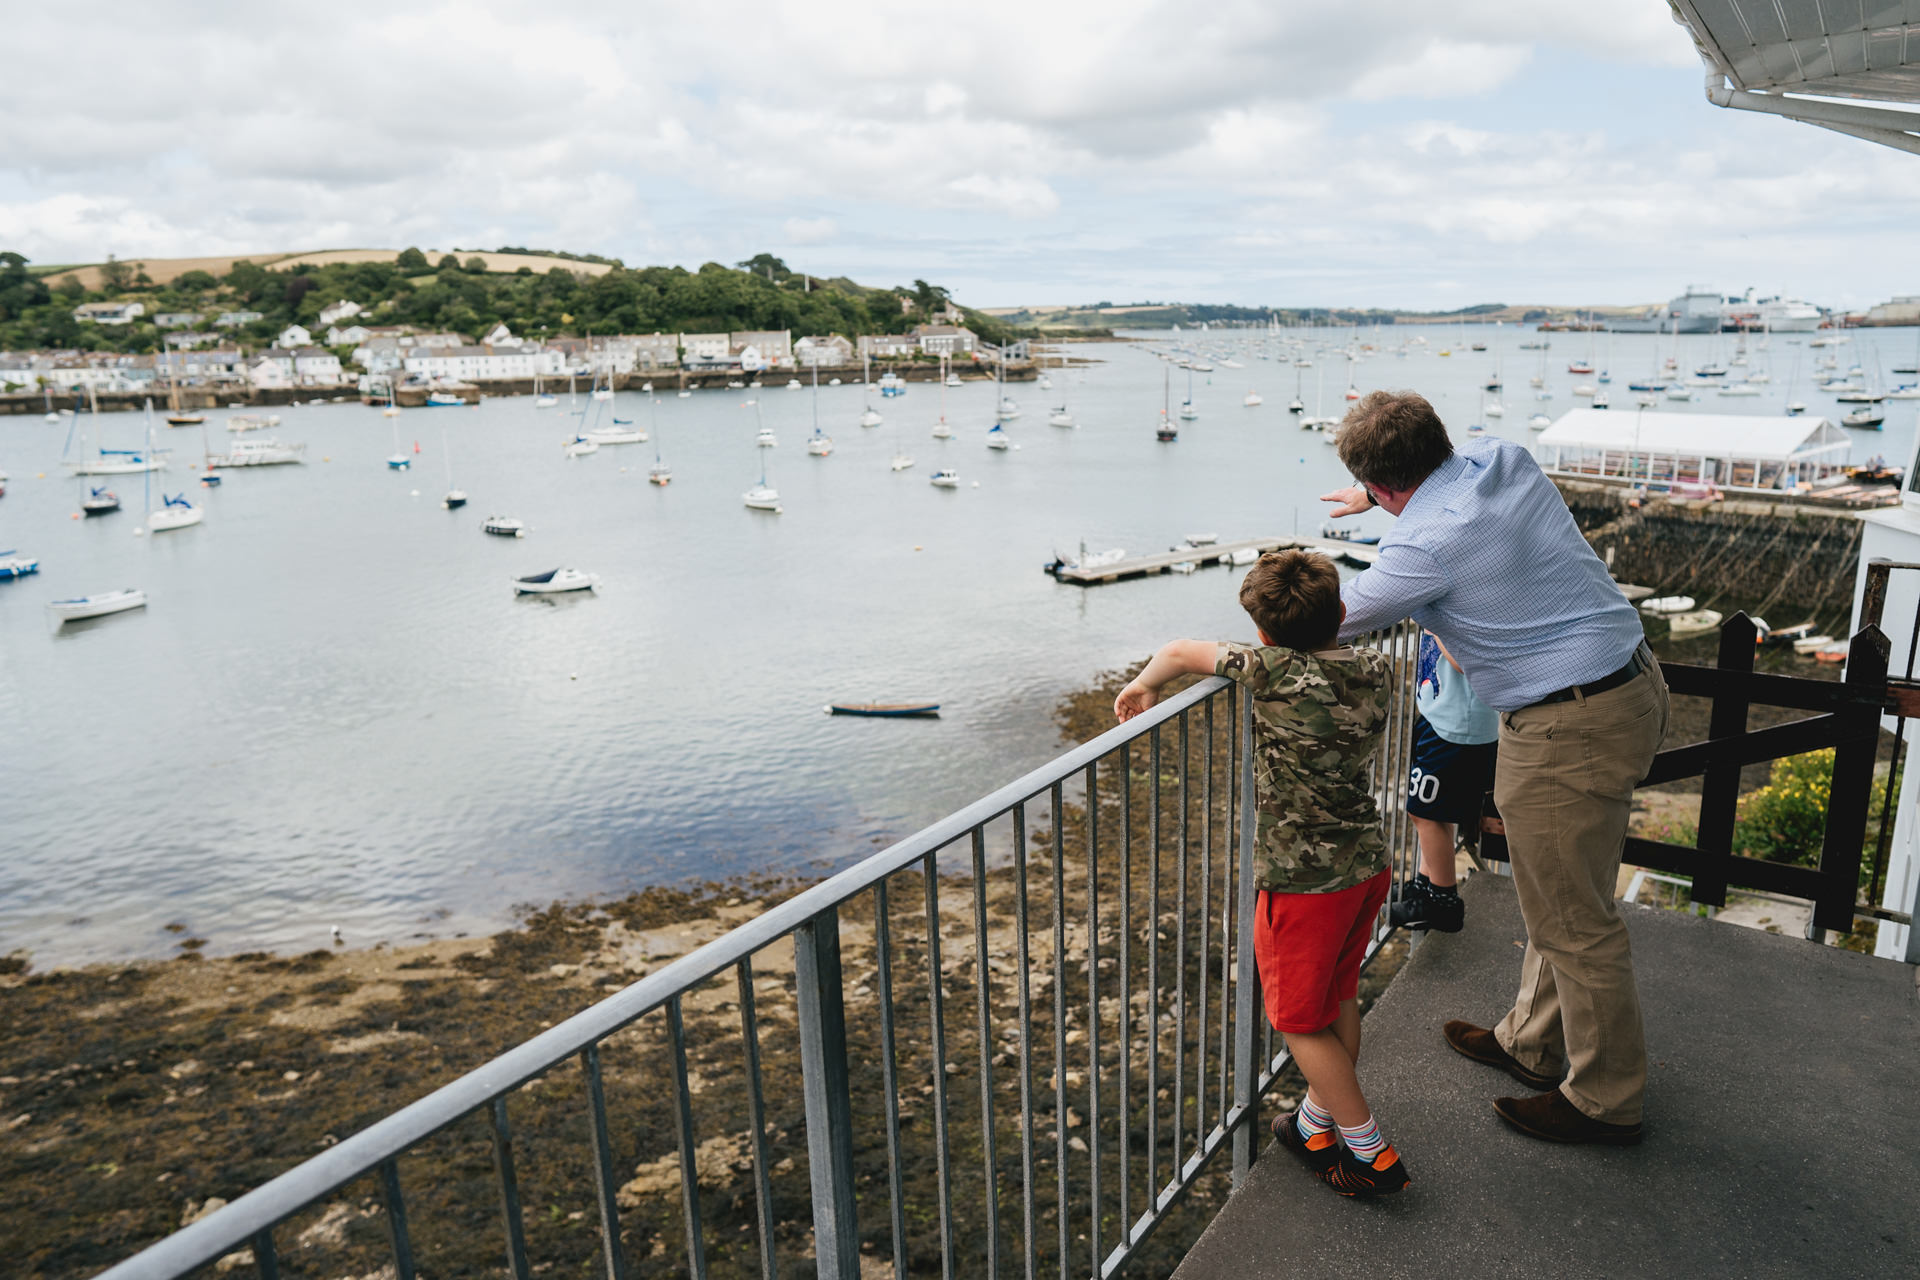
1400	153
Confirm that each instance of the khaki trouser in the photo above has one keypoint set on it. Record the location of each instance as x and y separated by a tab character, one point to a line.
1565	787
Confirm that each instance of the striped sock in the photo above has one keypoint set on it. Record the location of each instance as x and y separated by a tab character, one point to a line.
1312	1118
1364	1140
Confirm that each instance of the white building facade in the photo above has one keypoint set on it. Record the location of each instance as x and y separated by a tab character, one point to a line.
481	363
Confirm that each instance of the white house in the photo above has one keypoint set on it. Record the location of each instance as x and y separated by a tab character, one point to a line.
353	335
16	371
945	339
829	352
498	336
304	366
294	336
186	338
178	319
656	350
706	348
878	345
268	374
773	348
481	363
235	319
341	310
109	312
218	365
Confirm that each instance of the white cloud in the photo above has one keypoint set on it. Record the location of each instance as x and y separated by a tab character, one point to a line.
809	230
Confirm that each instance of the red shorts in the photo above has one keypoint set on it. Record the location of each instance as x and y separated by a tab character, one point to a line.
1309	947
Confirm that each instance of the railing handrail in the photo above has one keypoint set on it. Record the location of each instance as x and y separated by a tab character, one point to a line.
234	1226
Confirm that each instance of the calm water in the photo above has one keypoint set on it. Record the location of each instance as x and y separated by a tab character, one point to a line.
334	710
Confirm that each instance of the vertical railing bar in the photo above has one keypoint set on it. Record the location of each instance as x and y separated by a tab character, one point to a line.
1206	936
1226	907
397	1238
683	1128
889	1077
1153	972
1028	1211
937	1019
826	1094
1180	954
266	1261
603	1179
509	1191
1125	1033
1093	1005
988	1160
1246	974
757	1119
1057	798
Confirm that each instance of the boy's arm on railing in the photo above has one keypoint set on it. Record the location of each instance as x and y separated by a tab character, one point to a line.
1176	658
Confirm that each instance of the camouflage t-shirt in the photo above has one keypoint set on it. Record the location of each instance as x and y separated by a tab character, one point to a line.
1318	720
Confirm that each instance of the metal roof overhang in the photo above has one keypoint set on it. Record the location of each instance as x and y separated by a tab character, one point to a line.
1713	435
1790	57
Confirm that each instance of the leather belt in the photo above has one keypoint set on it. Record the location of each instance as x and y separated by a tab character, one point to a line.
1612	680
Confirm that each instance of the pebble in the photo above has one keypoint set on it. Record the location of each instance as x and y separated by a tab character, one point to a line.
290	1076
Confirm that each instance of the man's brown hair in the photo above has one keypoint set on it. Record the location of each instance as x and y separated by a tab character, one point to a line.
1294	598
1393	439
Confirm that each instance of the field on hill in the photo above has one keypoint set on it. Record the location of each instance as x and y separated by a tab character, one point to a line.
167	270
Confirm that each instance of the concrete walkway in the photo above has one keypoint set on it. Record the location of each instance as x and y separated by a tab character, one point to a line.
1782	1126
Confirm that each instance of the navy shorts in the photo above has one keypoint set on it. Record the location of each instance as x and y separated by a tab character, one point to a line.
1448	780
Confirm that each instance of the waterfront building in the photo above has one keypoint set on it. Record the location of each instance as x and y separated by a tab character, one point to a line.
294	335
222	364
178	319
351	336
268	374
341	310
1732	452
109	312
307	366
188	338
830	351
1904	309
706	350
945	339
235	319
16	371
773	348
656	350
880	346
481	363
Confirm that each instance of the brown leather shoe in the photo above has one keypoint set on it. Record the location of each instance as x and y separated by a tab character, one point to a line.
1479	1044
1552	1117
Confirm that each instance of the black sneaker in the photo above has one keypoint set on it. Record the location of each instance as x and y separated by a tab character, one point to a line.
1418	905
1321	1152
1361	1179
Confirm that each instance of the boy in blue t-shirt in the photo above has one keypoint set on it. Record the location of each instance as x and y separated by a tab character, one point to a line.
1454	744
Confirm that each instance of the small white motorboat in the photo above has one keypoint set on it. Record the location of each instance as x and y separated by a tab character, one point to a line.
871	418
1296	405
1187	412
941	431
997	438
1252	398
762	497
1202	539
544	401
1182	566
252	421
1494	409
504	526
1667	604
659	473
443	400
684	394
820	445
1679	391
455	499
1244	555
1061	418
555	580
901	462
953	379
1692	623
1584	389
766	439
178	513
620	433
602	393
97	606
1600	400
1539	422
945	478
1008	409
833	382
580	447
1811	644
1865	416
14	566
793	384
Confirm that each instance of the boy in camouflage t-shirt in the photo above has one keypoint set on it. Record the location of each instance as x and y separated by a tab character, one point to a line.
1319	713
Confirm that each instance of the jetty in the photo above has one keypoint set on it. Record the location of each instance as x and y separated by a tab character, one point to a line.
1215	553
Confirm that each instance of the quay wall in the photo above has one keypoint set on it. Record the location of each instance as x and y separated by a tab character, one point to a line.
1783	561
206	399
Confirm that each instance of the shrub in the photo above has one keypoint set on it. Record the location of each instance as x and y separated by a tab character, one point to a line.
1786	820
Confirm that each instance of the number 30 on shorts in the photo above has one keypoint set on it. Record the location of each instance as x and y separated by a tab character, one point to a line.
1423	786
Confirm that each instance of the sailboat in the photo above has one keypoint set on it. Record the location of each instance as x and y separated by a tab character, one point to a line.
399	460
763	496
1187	412
941	431
542	399
116	462
1166	432
1297	405
659	473
871	416
1008	409
176	416
177	513
456	498
819	444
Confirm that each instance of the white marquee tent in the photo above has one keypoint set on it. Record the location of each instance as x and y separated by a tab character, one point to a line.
1728	451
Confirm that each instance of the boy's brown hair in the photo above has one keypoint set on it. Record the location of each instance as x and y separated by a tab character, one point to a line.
1393	439
1294	597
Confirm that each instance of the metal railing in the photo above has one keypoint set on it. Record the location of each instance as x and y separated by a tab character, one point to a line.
1114	1047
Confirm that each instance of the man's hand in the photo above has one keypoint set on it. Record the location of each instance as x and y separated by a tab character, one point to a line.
1352	501
1134	699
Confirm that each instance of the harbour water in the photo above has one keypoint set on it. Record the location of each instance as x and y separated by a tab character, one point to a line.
334	711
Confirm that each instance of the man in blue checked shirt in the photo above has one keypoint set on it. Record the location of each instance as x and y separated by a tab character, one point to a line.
1485	553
